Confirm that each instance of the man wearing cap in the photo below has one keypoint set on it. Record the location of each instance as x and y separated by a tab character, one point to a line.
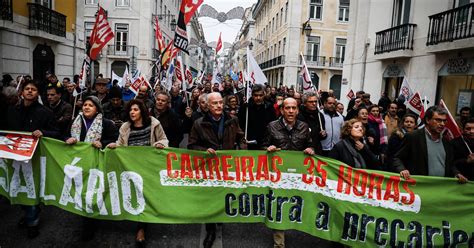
101	91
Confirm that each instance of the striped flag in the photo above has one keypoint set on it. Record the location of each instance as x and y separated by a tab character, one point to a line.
159	36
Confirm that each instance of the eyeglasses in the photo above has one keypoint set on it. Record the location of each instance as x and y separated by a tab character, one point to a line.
439	120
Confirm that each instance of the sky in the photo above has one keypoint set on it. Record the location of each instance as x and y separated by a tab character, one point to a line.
230	28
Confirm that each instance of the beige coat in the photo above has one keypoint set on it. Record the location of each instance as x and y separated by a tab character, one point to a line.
158	135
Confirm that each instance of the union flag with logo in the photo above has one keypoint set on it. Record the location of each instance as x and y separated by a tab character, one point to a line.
186	12
17	145
101	34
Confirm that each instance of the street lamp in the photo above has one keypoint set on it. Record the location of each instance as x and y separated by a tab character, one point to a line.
307	29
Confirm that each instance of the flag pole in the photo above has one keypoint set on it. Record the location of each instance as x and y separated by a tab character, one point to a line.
247	111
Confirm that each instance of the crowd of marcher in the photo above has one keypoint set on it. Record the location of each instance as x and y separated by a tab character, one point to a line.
384	136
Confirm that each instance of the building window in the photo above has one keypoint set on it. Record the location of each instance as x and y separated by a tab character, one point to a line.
284	45
279	48
121	37
88	26
276	24
122	3
92	2
281	16
312	51
316	9
286	12
340	49
46	3
343	11
401	12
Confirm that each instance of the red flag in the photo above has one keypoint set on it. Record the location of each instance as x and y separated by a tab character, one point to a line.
452	128
178	71
186	12
101	34
159	36
241	79
219	44
350	95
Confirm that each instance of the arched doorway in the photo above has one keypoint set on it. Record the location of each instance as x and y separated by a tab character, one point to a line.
118	67
43	61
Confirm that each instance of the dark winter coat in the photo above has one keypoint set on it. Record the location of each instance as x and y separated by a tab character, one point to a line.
31	118
202	135
341	153
298	139
259	117
172	125
313	120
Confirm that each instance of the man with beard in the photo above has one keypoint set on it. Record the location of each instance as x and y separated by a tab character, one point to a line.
260	113
168	118
62	110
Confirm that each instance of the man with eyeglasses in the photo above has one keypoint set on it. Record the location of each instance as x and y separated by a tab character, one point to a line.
425	152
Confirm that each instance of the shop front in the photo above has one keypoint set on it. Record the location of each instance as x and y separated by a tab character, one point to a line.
456	84
393	78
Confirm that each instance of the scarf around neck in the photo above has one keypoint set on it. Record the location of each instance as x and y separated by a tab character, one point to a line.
382	128
94	133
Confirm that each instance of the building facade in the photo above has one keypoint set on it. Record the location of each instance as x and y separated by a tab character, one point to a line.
428	43
133	22
316	29
39	36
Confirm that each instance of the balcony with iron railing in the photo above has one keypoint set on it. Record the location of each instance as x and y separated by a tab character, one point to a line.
122	51
6	10
336	62
47	20
453	28
313	60
273	62
395	39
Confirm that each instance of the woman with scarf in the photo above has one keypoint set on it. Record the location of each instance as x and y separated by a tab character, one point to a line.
141	129
407	125
377	130
90	126
351	149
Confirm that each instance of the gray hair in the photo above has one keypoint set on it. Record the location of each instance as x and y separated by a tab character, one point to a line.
10	91
307	95
212	94
203	97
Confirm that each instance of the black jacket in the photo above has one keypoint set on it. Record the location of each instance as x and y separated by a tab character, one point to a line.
413	155
460	157
259	117
171	125
298	139
341	153
62	115
31	118
313	120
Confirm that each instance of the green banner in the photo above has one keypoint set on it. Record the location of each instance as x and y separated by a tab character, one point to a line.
284	190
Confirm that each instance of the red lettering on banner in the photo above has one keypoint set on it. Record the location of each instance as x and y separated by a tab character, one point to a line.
262	168
225	167
363	185
247	166
343	179
186	170
377	185
405	185
305	178
213	165
392	184
276	160
199	167
169	168
321	181
237	169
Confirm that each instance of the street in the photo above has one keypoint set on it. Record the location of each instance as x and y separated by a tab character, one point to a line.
59	228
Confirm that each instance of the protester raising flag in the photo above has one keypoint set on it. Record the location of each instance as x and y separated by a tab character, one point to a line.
179	71
416	105
254	72
451	128
350	95
406	91
188	7
219	44
101	34
159	36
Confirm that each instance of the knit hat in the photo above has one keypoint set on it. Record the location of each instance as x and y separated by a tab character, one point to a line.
115	92
96	102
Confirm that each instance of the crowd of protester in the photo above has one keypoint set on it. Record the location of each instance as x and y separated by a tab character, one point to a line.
384	136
